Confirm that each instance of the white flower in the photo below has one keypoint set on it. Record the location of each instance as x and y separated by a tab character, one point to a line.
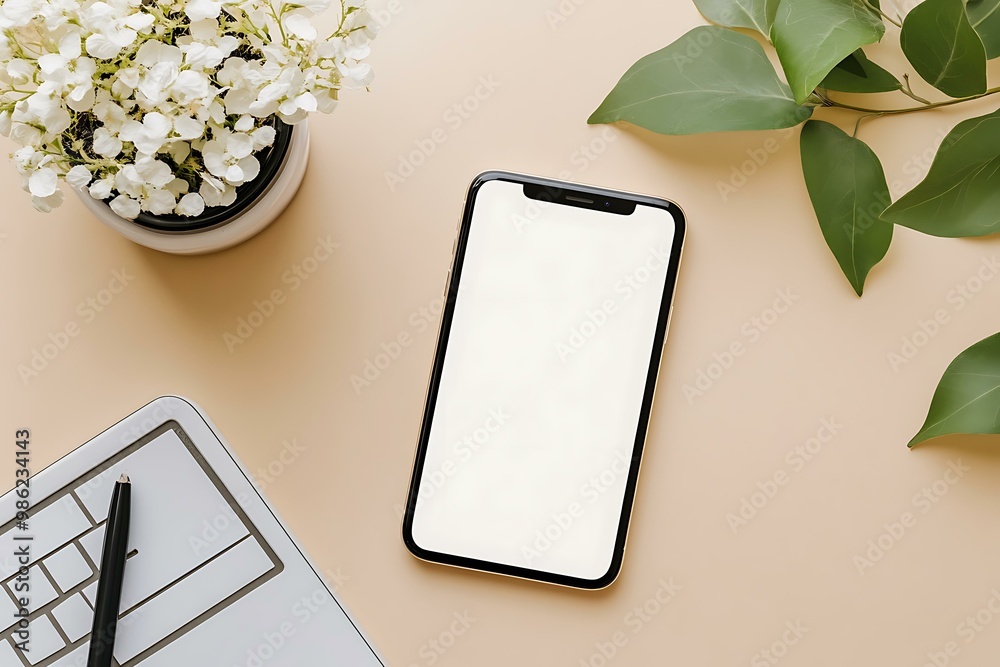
111	31
69	50
26	157
106	144
124	83
263	137
216	112
126	207
42	108
178	151
16	13
25	134
244	124
326	102
159	202
102	189
43	182
206	55
205	30
198	10
20	71
238	101
356	76
155	172
68	74
128	181
163	76
303	102
274	94
229	157
79	176
111	115
202	56
190	86
5	123
300	26
191	205
188	128
81	98
216	192
149	135
153	53
156	80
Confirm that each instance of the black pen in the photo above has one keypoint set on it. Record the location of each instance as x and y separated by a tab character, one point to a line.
109	585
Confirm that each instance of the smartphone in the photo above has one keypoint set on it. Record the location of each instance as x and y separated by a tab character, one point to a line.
556	313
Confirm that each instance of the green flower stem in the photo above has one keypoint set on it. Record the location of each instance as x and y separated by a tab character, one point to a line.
343	16
22	54
344	13
256	31
895	112
101	163
277	19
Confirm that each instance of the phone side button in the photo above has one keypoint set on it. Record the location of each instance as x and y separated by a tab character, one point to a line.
447	280
666	331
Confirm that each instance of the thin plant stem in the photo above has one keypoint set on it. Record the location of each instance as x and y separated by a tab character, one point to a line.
883	14
907	90
857	125
895	112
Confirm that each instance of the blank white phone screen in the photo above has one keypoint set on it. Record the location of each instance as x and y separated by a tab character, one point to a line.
542	383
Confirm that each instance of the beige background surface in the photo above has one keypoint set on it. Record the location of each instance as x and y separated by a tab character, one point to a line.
826	358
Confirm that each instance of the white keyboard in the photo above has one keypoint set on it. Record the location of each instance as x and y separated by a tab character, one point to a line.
193	552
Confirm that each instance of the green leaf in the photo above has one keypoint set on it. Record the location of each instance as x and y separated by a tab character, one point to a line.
848	191
985	18
967	400
960	195
944	48
752	14
813	36
710	80
857	74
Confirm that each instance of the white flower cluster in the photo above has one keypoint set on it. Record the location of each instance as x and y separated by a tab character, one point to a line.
162	106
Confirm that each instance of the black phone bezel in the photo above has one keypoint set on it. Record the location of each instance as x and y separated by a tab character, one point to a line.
622	203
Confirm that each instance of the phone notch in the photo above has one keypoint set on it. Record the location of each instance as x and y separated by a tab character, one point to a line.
606	203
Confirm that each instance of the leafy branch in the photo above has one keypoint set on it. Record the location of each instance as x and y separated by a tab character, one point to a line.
719	79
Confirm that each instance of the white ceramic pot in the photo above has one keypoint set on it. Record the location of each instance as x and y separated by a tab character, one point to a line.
262	211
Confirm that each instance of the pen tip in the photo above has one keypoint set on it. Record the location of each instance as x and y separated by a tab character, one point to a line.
124	479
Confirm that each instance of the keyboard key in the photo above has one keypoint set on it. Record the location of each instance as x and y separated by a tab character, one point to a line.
52	527
179	517
93	544
36	588
44	640
75	617
75	658
7	610
8	656
189	598
68	567
90	592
